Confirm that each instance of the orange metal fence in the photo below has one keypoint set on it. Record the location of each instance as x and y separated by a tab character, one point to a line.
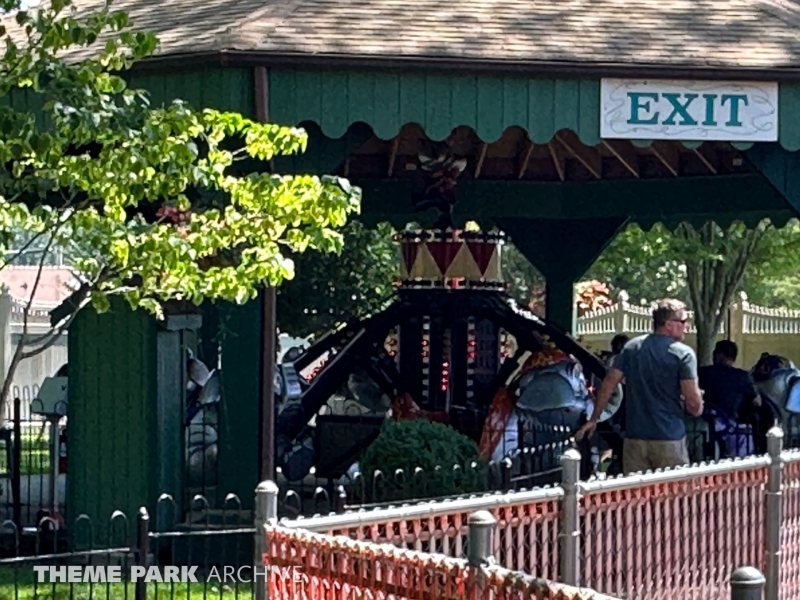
675	538
526	536
679	533
315	567
790	530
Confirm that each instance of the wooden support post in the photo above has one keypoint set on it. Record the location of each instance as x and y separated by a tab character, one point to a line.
269	329
562	251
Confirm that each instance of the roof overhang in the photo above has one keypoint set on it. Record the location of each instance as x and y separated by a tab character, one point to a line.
489	104
281	60
560	179
333	104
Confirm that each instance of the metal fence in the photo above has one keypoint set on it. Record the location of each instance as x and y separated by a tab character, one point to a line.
219	550
530	463
671	534
677	533
35	489
315	567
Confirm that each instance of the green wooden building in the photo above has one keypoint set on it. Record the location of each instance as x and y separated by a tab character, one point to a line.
575	119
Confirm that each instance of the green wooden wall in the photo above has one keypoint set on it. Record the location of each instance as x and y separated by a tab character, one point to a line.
387	100
223	89
111	418
240	328
112	357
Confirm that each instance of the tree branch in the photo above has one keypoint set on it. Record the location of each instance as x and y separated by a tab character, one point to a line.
52	336
66	211
18	353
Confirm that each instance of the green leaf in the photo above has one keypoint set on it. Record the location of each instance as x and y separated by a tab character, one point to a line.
95	157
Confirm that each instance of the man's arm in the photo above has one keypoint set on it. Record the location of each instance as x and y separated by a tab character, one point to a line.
607	386
690	390
751	394
694	399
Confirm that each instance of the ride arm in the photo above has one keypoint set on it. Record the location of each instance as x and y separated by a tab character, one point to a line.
328	342
693	397
522	325
294	418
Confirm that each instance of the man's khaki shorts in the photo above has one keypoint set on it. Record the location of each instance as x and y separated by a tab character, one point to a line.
643	455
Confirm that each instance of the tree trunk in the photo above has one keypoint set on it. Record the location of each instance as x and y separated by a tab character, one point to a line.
706	338
714	278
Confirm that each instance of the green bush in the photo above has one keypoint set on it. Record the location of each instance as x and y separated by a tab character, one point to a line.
420	459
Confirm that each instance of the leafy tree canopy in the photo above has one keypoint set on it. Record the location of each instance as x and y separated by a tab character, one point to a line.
653	264
151	202
152	194
329	289
706	266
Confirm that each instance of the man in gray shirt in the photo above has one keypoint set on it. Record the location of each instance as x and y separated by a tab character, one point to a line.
660	373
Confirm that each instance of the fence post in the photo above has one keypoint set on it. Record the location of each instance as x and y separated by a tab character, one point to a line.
480	544
736	325
266	512
774	512
143	551
570	532
747	583
620	324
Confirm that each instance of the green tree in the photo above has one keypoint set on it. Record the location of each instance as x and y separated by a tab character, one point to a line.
771	278
525	283
645	264
154	203
329	289
707	266
716	261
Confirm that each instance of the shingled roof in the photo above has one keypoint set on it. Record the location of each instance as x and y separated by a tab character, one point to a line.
732	34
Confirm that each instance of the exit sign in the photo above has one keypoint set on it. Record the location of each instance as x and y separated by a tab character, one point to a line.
688	110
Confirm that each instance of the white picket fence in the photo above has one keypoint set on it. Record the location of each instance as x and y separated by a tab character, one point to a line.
755	329
31	371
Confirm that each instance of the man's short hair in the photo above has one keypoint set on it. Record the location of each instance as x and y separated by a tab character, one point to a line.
727	348
619	341
666	310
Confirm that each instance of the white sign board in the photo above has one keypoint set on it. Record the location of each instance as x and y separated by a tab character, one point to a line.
688	110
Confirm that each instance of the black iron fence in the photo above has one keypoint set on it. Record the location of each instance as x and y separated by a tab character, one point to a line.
522	464
206	553
33	472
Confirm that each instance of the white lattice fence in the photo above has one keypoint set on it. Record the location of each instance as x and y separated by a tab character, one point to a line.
755	329
624	317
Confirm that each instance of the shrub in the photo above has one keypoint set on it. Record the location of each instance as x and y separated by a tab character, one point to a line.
448	460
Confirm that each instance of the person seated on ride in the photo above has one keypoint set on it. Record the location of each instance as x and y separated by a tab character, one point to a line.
776	380
731	397
617	344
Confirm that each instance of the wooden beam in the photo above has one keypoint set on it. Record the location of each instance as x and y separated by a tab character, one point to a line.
524	166
586	155
624	153
689	197
706	156
269	324
669	155
559	160
481	158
